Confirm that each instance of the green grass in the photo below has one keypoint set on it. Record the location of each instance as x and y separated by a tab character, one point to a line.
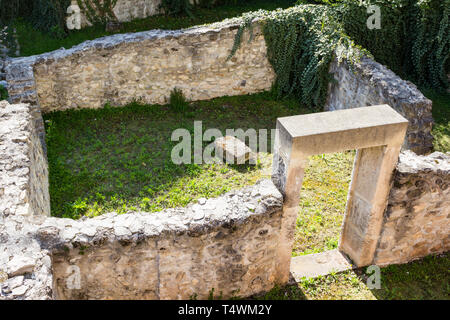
426	279
119	159
34	42
322	202
441	116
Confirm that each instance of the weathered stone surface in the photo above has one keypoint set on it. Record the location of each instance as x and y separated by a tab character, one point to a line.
369	83
23	166
417	219
233	151
148	65
128	10
378	133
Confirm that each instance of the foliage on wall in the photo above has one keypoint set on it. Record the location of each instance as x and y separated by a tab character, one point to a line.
414	41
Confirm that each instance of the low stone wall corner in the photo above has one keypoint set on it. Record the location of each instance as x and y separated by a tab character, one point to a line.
417	218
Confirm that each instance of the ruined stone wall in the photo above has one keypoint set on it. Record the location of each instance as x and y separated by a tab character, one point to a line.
417	219
231	244
23	165
370	83
146	66
228	243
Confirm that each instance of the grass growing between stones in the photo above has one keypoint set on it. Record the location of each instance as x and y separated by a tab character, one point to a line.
119	159
34	42
426	279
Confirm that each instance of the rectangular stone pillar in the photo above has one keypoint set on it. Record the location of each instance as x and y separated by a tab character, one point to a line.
287	175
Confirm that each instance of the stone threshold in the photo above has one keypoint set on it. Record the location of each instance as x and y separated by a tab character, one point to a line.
319	264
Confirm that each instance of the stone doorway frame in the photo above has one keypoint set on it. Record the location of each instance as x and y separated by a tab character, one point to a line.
377	133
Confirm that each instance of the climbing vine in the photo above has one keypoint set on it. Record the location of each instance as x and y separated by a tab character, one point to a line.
301	43
414	41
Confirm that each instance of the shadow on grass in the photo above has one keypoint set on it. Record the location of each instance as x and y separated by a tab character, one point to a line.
425	279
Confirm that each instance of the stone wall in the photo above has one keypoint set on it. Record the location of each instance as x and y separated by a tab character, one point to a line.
417	219
23	165
370	83
128	10
229	244
233	243
146	66
25	268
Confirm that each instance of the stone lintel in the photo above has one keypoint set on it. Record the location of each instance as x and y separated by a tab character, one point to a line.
341	130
